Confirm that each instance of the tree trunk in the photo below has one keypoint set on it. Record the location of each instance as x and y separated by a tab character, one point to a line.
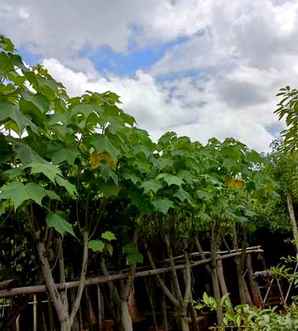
255	291
293	220
80	291
65	326
164	313
126	289
221	278
161	282
114	303
62	273
214	273
242	286
184	322
126	320
203	255
61	311
173	269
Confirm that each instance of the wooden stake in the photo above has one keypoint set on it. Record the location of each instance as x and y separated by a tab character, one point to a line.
34	312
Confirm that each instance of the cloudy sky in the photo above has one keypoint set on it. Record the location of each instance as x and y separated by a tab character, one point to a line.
202	68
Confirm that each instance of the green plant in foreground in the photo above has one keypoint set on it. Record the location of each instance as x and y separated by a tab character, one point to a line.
246	317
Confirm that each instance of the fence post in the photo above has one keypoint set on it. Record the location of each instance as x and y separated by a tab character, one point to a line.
34	312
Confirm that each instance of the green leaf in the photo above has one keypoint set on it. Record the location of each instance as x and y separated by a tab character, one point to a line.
36	102
27	155
108	235
170	179
103	144
11	111
132	253
48	87
182	195
51	171
163	205
151	186
18	192
13	173
53	196
82	109
57	222
70	188
65	154
96	245
6	44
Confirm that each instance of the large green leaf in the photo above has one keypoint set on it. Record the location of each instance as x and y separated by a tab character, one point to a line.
108	235
183	195
70	188
132	253
11	111
18	192
163	205
59	223
151	186
51	171
97	246
65	154
27	155
103	144
35	102
170	179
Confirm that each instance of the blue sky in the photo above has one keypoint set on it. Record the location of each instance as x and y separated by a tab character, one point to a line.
202	67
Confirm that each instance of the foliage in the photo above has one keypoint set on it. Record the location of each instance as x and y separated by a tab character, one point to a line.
251	318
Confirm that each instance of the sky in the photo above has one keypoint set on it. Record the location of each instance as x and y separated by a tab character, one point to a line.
201	68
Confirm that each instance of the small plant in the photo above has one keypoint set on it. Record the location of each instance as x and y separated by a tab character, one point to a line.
246	317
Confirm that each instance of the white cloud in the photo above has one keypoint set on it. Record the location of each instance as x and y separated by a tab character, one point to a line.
244	51
61	29
187	107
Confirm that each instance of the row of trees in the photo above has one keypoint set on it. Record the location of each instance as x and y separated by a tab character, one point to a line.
78	175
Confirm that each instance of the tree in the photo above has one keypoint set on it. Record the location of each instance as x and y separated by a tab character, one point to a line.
59	161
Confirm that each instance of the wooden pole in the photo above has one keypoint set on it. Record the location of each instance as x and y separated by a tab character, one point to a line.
113	277
34	312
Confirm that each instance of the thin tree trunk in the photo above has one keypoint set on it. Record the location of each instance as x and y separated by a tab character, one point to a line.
293	220
126	289
100	308
215	283
173	269
255	291
126	320
161	282
50	284
51	317
164	313
221	278
77	302
62	274
243	293
204	256
151	302
184	323
115	301
91	314
65	326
